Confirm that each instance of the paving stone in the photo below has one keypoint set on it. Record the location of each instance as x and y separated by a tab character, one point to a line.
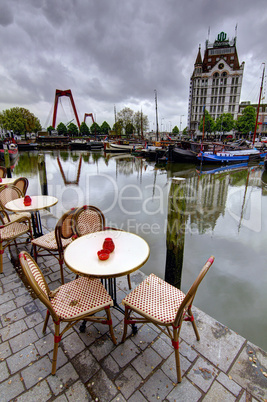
78	393
22	340
72	344
187	351
63	379
39	329
39	393
45	344
248	370
147	362
61	358
217	342
5	350
13	285
110	367
20	290
61	398
169	367
30	308
202	374
163	348
7	307
36	372
90	334
137	397
101	387
4	373
157	387
125	352
229	383
13	316
21	359
86	365
119	398
102	347
11	388
33	319
128	381
218	393
13	329
144	336
5	297
185	391
23	299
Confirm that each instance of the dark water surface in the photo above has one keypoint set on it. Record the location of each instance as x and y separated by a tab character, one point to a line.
184	222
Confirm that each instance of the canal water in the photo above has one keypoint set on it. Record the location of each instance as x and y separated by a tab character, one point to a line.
184	213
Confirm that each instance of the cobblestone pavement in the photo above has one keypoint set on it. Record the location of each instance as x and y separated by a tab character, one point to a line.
222	366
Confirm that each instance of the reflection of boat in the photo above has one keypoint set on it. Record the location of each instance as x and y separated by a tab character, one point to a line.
265	162
238	166
10	145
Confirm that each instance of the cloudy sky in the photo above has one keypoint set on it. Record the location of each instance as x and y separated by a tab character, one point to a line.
116	53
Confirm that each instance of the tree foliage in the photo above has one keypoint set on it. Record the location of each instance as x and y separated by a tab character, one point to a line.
140	122
105	128
73	130
225	123
117	127
95	129
50	129
175	130
246	122
84	129
125	116
209	124
62	129
19	120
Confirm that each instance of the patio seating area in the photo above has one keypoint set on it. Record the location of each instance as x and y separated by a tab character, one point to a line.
221	366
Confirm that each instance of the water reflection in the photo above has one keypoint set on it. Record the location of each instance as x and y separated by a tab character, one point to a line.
210	212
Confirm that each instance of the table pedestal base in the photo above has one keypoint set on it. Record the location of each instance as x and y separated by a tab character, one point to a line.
36	224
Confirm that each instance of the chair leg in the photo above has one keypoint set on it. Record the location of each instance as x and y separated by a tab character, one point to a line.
46	321
1	257
111	326
129	281
61	262
57	339
175	344
126	317
194	324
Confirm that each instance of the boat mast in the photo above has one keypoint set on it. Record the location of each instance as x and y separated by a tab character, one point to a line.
258	108
157	123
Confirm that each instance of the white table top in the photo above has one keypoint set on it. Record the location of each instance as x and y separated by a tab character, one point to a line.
131	252
38	202
7	180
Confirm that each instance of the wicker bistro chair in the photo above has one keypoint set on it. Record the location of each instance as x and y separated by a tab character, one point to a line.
9	192
90	219
11	231
160	303
55	242
77	300
2	172
22	183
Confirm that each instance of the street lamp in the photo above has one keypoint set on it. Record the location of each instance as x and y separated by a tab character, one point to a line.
162	124
181	116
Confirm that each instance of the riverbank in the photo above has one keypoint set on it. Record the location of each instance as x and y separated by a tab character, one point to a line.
221	366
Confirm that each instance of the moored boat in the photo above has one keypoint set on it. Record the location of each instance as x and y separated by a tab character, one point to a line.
10	145
231	156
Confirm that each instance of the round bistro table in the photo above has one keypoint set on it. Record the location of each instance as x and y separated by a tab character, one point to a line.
131	252
38	202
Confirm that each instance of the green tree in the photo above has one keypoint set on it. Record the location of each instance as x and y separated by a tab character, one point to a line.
117	127
225	123
105	128
175	130
19	120
185	131
246	122
95	129
140	121
126	116
209	124
129	129
84	129
50	129
73	130
62	129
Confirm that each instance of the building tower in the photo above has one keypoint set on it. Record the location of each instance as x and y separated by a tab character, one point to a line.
216	82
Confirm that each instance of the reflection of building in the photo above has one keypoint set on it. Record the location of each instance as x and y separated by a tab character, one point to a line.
216	81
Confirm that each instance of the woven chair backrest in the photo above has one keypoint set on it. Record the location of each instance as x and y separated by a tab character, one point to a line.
9	193
64	227
36	280
2	171
188	300
22	183
88	219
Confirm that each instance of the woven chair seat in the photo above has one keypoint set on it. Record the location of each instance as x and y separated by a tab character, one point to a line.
156	299
74	299
13	230
48	241
13	217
